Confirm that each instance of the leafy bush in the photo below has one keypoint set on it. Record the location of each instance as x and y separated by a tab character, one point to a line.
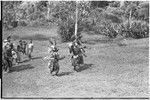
110	30
106	28
135	29
139	29
39	22
22	23
108	18
66	31
62	31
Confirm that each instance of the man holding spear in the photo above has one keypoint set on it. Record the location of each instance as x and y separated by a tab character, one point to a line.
53	58
75	47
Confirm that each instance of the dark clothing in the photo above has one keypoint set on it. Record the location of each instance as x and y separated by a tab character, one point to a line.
8	53
54	65
11	45
75	50
76	61
7	59
22	47
79	42
19	48
9	62
77	57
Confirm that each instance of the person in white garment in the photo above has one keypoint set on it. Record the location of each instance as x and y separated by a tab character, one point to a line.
30	49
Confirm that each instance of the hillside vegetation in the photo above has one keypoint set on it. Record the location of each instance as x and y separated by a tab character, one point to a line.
108	18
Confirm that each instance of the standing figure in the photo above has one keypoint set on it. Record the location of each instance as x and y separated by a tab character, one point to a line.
7	54
15	54
9	39
30	47
24	47
4	60
53	59
19	47
77	54
19	50
7	58
5	44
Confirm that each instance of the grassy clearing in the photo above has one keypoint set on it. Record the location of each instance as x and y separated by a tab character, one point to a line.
110	71
26	33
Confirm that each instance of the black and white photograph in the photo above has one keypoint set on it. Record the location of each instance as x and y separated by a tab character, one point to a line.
75	49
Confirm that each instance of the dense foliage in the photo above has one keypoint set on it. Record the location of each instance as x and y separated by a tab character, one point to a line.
110	18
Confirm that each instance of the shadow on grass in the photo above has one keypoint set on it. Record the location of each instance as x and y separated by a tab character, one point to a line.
24	61
84	67
64	73
81	68
34	58
27	60
21	68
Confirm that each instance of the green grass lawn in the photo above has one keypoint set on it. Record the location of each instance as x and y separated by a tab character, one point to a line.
110	70
40	33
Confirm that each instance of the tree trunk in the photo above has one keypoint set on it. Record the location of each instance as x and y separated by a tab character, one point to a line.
130	16
48	10
121	3
129	23
76	24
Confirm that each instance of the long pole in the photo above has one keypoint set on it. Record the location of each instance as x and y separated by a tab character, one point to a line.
76	24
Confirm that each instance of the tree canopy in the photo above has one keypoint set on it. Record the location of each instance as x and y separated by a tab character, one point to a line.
92	15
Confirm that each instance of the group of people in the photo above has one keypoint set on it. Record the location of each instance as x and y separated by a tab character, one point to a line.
75	49
12	53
